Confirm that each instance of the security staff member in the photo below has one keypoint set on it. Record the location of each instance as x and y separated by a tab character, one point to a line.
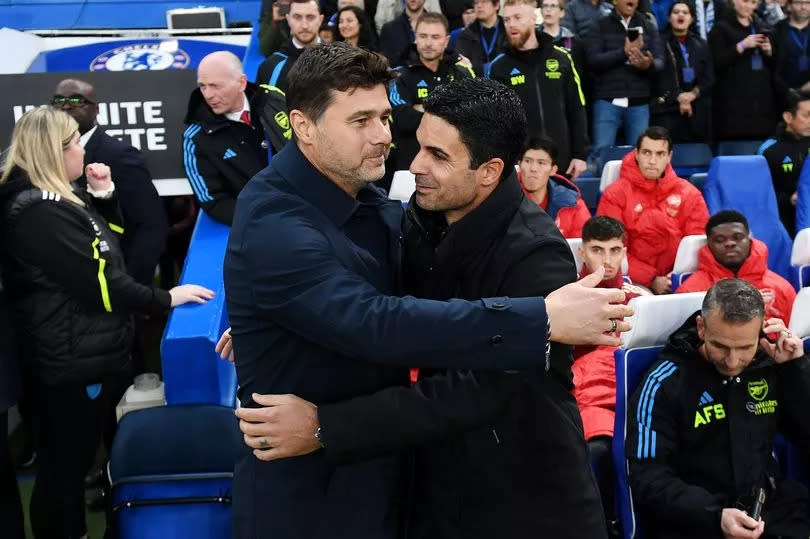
428	68
547	81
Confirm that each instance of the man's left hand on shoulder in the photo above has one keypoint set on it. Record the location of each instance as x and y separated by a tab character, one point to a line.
787	346
285	426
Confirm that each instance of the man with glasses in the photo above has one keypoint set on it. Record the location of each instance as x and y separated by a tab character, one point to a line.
792	45
484	39
145	225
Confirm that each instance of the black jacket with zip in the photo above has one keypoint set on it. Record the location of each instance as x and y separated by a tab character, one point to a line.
69	294
698	441
549	85
469	45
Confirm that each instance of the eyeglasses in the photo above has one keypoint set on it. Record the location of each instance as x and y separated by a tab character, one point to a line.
75	100
550	6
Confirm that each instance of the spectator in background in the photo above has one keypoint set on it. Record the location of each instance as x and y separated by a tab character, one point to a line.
744	97
581	16
454	11
426	70
792	42
702	422
274	30
355	28
327	33
731	253
388	10
224	144
681	101
397	36
603	245
624	54
468	17
656	207
361	4
145	226
786	153
547	81
552	12
484	39
559	197
707	14
11	513
304	19
71	303
771	12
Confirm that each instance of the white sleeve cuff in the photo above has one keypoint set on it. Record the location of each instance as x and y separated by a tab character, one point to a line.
105	194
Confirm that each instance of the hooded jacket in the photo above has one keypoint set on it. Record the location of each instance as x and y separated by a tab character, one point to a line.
221	155
698	441
69	295
657	214
776	291
594	372
565	206
785	154
549	86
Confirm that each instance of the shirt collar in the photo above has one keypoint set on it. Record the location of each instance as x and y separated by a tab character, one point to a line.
237	115
319	190
298	45
84	138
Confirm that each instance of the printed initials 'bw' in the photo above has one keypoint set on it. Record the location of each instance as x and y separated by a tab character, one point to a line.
518	79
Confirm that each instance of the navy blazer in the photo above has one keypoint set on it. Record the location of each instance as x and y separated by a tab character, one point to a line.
311	316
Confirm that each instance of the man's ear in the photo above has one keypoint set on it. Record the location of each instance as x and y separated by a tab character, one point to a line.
701	327
490	172
303	126
787	117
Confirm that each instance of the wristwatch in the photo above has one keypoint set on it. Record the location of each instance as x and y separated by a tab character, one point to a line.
319	438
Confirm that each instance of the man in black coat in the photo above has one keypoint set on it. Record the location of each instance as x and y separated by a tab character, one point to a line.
500	453
397	36
145	226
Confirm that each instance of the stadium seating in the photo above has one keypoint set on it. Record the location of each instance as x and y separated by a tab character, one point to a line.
613	153
171	470
610	173
402	186
686	259
800	259
743	183
800	315
698	180
655	318
693	158
803	204
589	189
192	371
738	147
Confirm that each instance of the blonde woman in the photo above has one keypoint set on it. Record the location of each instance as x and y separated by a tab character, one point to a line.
71	303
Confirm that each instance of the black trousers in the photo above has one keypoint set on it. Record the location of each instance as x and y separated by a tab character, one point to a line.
71	421
11	515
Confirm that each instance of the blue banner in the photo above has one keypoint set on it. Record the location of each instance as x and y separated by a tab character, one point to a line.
134	55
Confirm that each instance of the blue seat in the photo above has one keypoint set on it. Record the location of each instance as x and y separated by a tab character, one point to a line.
803	205
253	56
655	318
192	371
800	259
743	183
171	470
691	158
589	188
612	153
686	259
698	180
738	147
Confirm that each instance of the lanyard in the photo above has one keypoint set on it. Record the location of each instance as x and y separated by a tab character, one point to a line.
802	44
684	53
488	47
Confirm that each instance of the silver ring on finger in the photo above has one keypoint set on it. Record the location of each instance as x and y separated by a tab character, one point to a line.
615	326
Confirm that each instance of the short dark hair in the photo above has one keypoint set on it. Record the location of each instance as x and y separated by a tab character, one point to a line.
430	17
602	228
365	38
739	301
655	132
317	3
689	5
795	97
726	216
323	69
488	116
544	143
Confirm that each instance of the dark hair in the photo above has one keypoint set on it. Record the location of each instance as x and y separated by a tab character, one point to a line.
726	216
543	143
323	69
795	97
602	228
307	2
689	5
655	132
739	301
365	38
429	17
488	116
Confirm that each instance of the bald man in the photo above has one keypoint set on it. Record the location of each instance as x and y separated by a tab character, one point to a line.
144	223
224	145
